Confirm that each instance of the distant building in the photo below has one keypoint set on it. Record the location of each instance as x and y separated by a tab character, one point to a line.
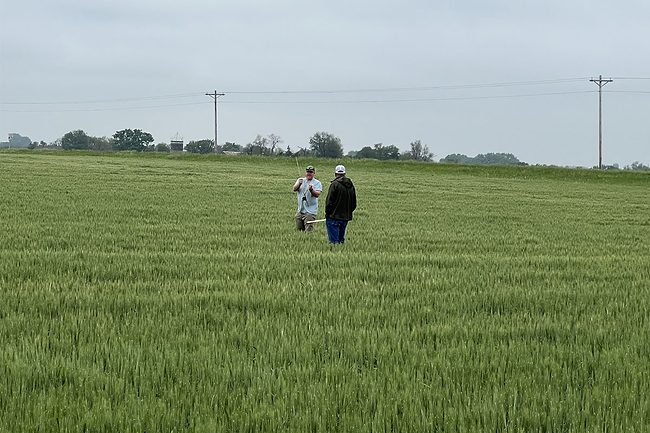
16	140
176	143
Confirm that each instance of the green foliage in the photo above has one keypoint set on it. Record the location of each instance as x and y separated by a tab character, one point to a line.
379	151
483	159
466	299
162	147
132	139
497	159
420	152
231	147
456	158
638	166
75	140
326	145
365	152
103	144
268	146
259	146
200	146
274	141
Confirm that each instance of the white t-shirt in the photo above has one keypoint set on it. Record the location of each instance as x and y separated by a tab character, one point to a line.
310	204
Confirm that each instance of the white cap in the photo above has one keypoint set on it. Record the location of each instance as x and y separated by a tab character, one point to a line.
339	169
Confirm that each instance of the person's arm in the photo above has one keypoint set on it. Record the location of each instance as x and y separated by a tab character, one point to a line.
354	199
313	191
296	186
331	199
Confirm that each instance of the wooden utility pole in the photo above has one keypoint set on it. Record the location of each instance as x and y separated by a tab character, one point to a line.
601	82
215	96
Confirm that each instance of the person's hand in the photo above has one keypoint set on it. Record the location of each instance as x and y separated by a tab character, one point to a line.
300	181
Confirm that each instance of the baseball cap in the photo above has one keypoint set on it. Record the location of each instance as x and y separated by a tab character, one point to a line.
340	169
310	168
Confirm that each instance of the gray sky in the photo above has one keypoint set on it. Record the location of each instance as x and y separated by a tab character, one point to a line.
60	51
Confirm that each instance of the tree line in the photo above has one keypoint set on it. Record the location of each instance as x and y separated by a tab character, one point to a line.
321	144
483	159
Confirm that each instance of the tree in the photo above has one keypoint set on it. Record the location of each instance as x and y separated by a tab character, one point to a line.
100	144
132	139
483	159
259	146
273	140
231	147
386	152
496	159
638	166
378	151
162	147
420	152
262	143
303	151
75	140
200	146
366	152
326	145
457	158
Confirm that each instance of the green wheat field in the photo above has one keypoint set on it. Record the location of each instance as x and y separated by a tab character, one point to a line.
171	293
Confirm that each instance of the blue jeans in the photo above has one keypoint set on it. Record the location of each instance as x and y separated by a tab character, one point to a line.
336	230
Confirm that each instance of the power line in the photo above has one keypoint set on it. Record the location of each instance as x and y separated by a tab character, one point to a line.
77	110
290	92
329	102
640	92
417	88
382	101
102	101
339	91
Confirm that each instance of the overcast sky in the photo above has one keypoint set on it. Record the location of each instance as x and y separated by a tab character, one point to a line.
105	65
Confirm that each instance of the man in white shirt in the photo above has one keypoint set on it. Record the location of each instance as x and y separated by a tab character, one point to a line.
307	189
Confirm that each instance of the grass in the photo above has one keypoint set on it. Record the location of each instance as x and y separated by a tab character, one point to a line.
171	293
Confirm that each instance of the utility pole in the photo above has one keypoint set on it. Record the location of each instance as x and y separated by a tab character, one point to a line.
215	96
601	82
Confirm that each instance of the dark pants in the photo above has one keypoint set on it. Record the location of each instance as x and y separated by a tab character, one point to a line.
336	230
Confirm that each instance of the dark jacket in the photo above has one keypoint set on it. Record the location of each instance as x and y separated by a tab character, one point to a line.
341	199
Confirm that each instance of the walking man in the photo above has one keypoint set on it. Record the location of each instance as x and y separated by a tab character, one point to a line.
307	189
341	202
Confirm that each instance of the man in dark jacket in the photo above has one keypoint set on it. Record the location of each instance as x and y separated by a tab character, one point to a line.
341	202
